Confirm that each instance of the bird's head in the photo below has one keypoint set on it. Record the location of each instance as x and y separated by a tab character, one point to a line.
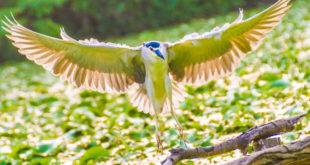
155	49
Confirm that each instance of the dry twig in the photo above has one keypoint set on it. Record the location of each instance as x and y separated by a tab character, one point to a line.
241	142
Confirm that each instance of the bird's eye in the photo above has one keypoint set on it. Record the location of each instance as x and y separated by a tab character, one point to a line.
151	49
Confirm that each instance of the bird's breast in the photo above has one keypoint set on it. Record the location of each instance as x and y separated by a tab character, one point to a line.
157	72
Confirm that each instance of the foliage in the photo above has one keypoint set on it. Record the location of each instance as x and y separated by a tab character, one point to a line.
44	120
106	18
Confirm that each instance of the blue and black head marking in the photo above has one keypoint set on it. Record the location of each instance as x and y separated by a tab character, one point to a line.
155	45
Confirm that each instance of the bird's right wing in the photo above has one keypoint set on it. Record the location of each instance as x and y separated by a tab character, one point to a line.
89	64
198	58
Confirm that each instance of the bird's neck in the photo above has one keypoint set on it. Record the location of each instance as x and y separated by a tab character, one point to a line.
155	66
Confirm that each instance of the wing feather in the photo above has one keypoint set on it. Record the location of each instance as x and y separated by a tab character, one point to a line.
198	58
88	63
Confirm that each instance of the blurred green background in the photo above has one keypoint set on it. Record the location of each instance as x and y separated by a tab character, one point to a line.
44	120
108	18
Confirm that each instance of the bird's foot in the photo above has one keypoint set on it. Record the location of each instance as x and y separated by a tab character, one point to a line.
159	144
183	141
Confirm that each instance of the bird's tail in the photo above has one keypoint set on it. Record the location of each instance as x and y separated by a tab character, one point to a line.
141	100
178	95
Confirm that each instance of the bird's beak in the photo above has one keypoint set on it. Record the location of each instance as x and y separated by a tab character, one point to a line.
159	54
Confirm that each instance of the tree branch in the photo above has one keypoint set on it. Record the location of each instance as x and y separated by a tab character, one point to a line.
295	153
241	142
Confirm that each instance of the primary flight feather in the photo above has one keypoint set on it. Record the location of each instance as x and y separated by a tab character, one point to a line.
106	67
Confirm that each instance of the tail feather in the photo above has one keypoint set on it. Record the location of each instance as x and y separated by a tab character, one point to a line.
141	100
178	95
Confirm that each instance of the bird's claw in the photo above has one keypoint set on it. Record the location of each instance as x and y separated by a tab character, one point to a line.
159	144
181	134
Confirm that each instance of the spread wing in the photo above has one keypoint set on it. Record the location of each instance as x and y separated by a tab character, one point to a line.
198	58
88	64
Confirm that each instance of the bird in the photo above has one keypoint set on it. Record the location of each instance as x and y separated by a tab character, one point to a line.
156	68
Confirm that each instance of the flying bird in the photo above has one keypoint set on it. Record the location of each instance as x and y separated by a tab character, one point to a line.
156	67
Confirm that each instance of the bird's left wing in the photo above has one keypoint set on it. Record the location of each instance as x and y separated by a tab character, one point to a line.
197	58
89	64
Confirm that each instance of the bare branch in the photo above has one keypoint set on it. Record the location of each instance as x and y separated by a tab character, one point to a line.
241	142
295	153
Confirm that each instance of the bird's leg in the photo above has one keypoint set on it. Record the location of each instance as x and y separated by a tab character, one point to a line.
158	138
179	127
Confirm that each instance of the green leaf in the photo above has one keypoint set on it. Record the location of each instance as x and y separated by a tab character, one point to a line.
17	150
39	161
44	148
269	76
280	84
96	154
